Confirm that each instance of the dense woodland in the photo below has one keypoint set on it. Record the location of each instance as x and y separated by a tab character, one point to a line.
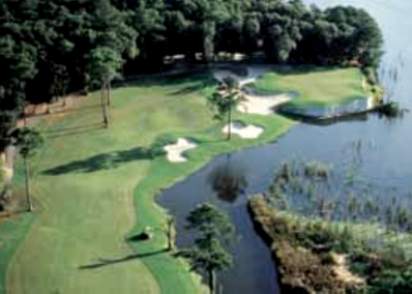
49	48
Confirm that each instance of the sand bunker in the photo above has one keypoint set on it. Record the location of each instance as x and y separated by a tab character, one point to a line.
174	152
254	104
253	73
263	105
245	132
220	75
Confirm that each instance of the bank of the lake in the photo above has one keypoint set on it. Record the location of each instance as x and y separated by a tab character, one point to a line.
318	256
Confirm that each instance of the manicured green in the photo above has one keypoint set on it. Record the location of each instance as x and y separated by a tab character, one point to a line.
85	178
315	86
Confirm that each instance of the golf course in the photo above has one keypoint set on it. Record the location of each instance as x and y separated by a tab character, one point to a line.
95	187
134	136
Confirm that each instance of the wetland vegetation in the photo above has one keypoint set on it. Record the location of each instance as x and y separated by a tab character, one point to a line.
332	232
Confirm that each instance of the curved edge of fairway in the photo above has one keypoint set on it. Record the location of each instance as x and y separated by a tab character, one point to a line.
173	275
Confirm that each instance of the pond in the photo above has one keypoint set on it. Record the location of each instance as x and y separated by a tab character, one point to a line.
382	149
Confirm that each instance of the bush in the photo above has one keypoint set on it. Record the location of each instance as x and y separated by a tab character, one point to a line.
391	110
317	169
157	148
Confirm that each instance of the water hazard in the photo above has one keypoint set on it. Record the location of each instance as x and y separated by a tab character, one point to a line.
382	147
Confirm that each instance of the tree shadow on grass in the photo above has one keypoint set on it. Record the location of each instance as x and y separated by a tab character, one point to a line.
192	88
103	161
87	108
71	131
108	261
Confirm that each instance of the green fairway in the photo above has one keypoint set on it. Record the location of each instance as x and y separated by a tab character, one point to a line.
84	183
315	87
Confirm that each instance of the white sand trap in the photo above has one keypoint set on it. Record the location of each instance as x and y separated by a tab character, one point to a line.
253	73
263	105
245	132
253	104
175	151
220	75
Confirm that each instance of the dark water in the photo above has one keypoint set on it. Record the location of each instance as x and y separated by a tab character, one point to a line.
383	147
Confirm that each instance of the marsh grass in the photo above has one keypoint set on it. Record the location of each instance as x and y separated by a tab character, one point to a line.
312	210
315	189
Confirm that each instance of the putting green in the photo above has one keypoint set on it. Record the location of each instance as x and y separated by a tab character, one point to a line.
316	86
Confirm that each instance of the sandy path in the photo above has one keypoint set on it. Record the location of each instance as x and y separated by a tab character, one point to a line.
342	272
7	160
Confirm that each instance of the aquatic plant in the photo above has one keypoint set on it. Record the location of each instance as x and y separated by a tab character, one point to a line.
391	110
317	170
313	189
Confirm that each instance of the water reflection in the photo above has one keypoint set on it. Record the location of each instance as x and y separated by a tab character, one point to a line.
228	180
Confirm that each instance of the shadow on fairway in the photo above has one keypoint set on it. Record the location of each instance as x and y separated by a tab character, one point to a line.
103	161
87	108
191	89
106	262
57	133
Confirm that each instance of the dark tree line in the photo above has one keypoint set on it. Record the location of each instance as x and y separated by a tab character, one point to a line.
49	48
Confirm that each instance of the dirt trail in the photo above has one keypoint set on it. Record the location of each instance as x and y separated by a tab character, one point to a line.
342	272
7	171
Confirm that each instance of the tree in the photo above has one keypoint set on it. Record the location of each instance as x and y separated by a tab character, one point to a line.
224	100
28	141
149	20
17	59
104	64
170	233
208	254
51	48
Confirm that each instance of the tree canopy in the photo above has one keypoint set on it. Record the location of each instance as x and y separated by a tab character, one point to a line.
51	48
208	254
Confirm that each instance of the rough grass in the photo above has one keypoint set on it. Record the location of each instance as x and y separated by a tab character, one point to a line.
300	269
315	87
84	181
